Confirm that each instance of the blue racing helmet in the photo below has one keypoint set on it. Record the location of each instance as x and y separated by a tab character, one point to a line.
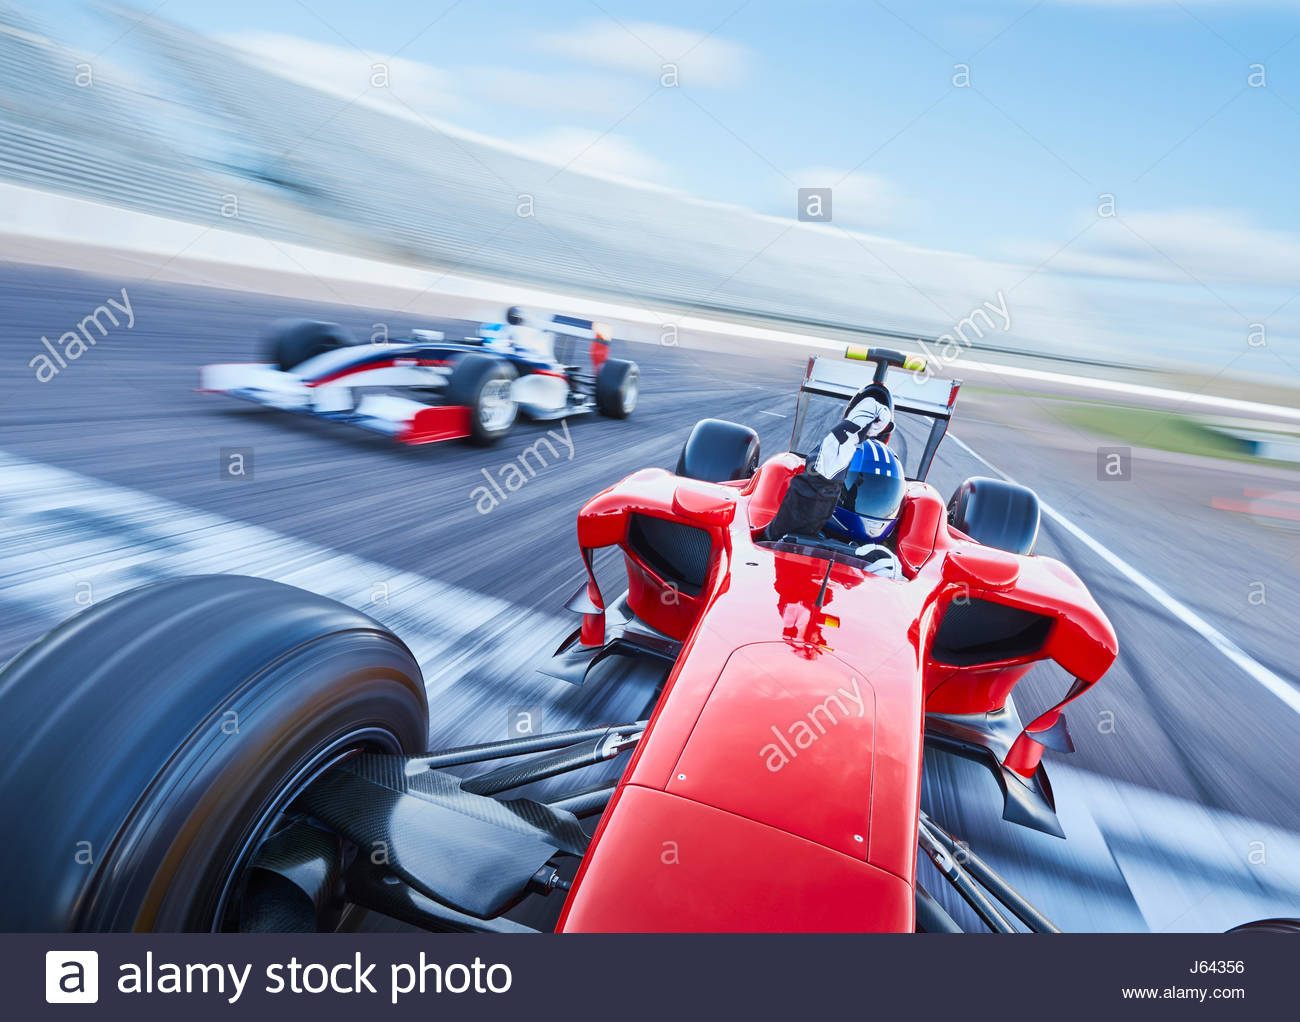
871	495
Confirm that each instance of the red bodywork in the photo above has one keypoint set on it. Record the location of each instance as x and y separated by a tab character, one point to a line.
777	786
435	424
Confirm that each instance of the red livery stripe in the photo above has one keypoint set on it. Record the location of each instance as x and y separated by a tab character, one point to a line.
366	367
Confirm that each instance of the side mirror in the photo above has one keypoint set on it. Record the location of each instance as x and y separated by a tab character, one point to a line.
980	568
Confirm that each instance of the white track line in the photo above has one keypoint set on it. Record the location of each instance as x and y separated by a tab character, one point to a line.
1080	387
34	214
65	537
1270	680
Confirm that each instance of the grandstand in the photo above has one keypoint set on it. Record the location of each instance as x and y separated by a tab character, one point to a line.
309	167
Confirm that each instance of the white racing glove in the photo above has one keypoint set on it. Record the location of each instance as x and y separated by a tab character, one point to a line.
869	418
881	560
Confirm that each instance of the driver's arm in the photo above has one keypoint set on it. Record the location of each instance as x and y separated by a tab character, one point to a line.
810	501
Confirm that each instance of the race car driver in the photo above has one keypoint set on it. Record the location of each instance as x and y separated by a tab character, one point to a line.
852	487
517	337
866	513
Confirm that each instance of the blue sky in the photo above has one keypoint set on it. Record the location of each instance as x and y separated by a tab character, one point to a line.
1148	100
1108	87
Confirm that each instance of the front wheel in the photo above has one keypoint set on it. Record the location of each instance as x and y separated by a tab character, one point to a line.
291	342
154	746
618	385
719	451
485	385
1269	926
996	513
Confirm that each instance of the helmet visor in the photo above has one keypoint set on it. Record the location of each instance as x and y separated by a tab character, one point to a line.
870	492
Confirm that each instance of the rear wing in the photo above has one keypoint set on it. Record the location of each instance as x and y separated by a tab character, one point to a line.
574	326
923	402
914	387
565	330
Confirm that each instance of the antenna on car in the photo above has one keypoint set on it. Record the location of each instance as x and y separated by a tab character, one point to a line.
821	593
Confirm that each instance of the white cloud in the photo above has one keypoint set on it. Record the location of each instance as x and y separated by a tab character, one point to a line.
425	94
857	199
413	89
593	153
549	92
642	48
1221	246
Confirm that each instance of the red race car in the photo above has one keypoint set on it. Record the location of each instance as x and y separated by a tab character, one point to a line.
230	753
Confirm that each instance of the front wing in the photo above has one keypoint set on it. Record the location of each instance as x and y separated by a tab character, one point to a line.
406	421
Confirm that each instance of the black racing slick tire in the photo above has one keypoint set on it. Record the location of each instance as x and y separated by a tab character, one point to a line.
718	451
482	383
618	385
291	342
996	513
150	740
1269	926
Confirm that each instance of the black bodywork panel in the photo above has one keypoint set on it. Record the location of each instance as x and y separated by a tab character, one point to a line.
472	853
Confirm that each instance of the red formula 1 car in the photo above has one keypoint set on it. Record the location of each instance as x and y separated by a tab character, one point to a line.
230	753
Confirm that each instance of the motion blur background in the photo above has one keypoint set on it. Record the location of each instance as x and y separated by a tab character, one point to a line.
1122	172
1116	177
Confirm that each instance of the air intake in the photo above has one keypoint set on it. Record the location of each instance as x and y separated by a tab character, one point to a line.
983	632
677	553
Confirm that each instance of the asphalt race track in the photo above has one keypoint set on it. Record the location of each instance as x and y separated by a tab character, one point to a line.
1180	803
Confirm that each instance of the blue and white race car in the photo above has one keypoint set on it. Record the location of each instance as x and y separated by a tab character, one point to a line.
425	389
